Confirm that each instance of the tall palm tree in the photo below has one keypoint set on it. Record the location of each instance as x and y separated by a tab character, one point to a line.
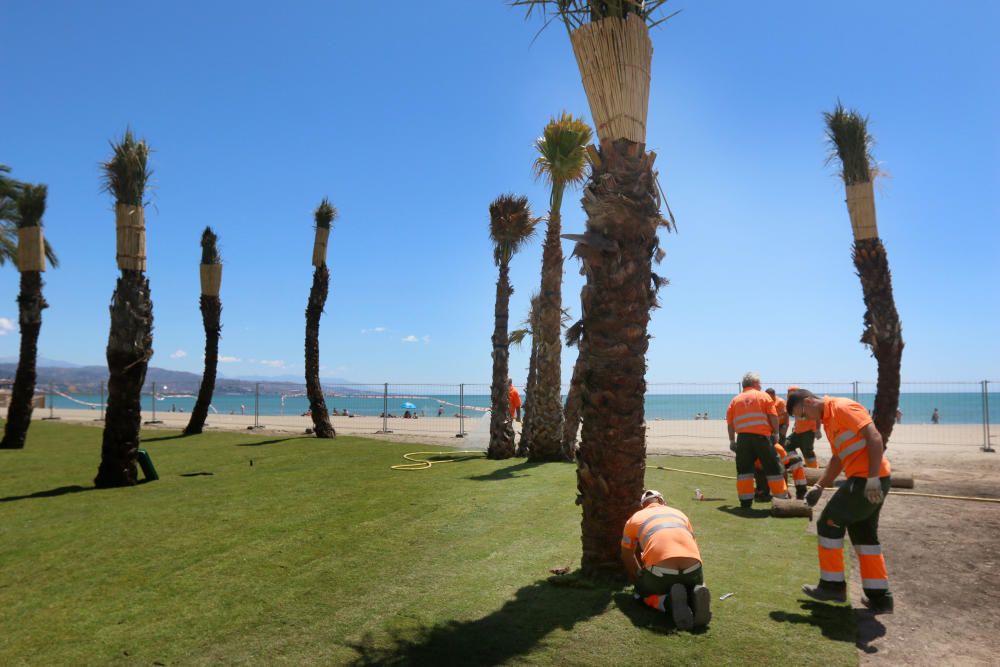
211	319
31	262
511	225
527	408
9	191
562	161
325	215
610	40
130	342
851	144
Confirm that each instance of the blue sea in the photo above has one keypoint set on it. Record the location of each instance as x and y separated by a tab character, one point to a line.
953	407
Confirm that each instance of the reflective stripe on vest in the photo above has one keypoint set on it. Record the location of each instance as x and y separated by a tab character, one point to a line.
644	539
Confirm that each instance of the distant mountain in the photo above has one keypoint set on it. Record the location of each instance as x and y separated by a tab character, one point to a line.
42	362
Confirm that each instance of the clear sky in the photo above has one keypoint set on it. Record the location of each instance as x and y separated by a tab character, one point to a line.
412	117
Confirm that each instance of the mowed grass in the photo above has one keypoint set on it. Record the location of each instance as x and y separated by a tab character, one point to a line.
257	549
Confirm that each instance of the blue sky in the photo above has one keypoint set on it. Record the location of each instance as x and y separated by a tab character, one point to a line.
412	118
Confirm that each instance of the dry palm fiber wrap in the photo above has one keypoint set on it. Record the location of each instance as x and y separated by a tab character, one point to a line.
30	249
130	230
319	245
861	208
211	279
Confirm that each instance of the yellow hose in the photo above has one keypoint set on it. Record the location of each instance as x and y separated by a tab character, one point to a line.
424	464
895	493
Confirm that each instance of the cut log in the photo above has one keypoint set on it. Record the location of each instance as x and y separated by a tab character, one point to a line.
790	508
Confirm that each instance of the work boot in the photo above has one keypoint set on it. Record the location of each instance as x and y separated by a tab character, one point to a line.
800	492
683	618
762	497
824	594
701	601
882	605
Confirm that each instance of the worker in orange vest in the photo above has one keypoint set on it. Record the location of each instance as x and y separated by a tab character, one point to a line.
855	507
515	400
792	463
752	421
779	405
804	435
662	559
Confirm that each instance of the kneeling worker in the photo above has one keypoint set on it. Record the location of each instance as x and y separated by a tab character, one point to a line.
855	507
661	558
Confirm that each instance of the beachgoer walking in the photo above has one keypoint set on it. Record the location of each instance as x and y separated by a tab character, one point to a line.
440	410
899	416
752	421
855	507
935	416
661	557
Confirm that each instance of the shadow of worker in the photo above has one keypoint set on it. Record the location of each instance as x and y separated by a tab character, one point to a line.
836	622
504	635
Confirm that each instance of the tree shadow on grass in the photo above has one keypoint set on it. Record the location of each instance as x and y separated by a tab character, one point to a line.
648	619
167	437
505	635
835	621
51	493
275	441
749	513
510	472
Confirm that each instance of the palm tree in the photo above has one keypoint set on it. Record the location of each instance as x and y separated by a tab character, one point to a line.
562	161
851	144
610	40
9	191
130	342
511	225
516	338
211	316
574	397
31	262
324	216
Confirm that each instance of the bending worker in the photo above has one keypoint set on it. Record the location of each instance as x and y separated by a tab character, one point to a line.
779	406
791	463
855	507
515	400
753	425
662	559
805	434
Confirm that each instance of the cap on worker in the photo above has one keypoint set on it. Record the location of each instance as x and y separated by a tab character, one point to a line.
650	495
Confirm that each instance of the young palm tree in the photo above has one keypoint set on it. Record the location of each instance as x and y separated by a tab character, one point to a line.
511	225
9	191
30	208
574	397
211	316
851	144
562	161
324	216
517	337
130	342
611	43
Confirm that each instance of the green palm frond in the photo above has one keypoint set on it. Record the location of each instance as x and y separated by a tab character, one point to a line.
576	13
850	142
126	174
562	150
210	247
518	336
31	205
325	214
511	225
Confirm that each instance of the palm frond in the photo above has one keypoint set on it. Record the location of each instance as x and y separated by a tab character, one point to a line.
31	205
126	174
210	247
325	214
576	13
850	142
574	333
518	336
562	150
511	225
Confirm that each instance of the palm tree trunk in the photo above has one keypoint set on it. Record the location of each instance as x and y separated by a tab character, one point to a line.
130	346
501	430
530	415
30	304
317	404
622	219
883	330
211	316
546	434
571	414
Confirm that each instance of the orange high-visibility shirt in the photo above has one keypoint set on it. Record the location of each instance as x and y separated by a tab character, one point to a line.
779	406
844	420
748	412
660	532
514	397
805	425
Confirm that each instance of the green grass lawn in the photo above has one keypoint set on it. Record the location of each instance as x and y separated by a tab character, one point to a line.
264	549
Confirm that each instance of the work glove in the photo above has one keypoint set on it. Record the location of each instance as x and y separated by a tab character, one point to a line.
873	490
813	494
732	446
819	434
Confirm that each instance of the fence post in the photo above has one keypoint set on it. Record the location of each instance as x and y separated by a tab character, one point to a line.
154	420
256	405
385	409
52	414
987	445
461	411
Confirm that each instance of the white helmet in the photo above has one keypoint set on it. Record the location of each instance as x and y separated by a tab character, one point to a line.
649	495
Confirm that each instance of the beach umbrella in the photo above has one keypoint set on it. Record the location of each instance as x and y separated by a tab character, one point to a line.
408	406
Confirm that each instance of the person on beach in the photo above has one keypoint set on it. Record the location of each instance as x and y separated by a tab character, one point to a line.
804	436
440	410
935	416
661	558
752	421
515	401
855	507
899	416
779	405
